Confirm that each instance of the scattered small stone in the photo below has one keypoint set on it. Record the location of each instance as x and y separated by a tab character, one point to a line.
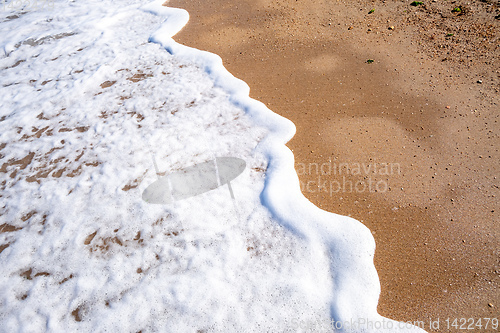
350	28
391	27
448	107
479	81
490	305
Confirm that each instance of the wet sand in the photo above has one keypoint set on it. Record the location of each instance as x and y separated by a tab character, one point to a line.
408	142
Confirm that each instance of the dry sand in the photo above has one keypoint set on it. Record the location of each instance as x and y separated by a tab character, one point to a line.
428	106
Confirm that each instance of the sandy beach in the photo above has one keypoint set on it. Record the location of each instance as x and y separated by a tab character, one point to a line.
396	108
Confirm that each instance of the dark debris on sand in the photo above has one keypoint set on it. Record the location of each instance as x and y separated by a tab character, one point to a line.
466	34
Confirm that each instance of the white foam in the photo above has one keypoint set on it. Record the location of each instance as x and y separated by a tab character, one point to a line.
86	102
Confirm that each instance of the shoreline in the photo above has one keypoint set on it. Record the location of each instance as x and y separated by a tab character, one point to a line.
436	225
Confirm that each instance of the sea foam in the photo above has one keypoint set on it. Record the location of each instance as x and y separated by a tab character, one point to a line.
93	110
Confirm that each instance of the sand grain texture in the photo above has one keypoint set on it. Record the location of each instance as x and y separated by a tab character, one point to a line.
428	103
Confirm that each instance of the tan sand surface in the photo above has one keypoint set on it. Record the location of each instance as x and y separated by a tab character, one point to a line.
424	113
